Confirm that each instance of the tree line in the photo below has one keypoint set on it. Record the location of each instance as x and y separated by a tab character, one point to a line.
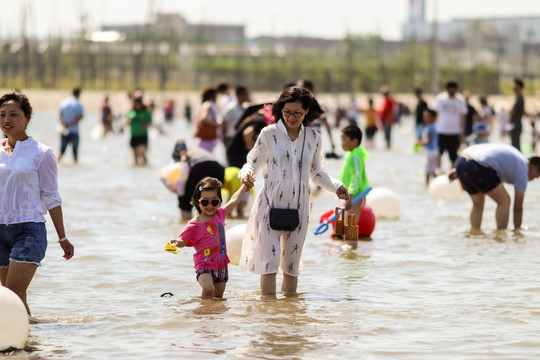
356	64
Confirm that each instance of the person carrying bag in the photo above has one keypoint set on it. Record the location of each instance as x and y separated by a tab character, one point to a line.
288	153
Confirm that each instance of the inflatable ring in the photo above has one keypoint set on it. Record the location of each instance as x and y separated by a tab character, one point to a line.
174	176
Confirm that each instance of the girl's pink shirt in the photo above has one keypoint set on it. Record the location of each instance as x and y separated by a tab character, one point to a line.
208	240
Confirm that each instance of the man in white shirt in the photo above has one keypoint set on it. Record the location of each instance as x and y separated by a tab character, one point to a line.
451	109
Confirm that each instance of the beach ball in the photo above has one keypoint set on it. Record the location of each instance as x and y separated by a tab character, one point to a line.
175	176
441	189
13	320
384	203
366	223
235	237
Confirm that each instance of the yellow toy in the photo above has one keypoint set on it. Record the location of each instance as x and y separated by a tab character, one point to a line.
172	248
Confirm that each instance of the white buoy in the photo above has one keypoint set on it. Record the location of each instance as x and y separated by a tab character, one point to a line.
235	236
384	203
13	320
441	189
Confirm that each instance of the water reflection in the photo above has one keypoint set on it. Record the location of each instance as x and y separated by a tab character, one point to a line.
287	331
211	307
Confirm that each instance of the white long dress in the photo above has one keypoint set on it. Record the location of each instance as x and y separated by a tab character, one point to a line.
265	250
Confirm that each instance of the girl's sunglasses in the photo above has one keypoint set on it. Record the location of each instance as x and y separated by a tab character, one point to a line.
205	202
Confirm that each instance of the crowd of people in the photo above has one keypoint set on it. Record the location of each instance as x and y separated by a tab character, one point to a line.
280	140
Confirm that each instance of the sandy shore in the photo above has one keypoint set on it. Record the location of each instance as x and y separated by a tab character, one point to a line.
48	100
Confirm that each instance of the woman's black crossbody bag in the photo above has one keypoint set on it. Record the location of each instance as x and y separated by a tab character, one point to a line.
287	219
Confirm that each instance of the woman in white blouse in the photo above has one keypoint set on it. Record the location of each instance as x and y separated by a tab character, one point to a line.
289	153
28	189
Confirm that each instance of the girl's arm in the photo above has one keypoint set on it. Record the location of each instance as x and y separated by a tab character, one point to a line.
235	199
179	242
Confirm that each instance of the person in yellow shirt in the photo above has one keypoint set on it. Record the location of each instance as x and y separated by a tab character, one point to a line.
370	113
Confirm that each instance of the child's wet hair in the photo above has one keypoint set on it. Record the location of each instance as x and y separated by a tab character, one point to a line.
354	132
431	112
206	184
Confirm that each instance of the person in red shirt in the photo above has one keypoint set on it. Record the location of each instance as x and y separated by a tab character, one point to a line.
387	114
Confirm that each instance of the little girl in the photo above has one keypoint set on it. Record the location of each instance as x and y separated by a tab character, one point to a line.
206	233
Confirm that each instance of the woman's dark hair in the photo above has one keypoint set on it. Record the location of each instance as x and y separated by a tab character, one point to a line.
206	184
222	87
139	101
20	99
451	84
535	160
301	95
208	93
354	132
483	100
179	149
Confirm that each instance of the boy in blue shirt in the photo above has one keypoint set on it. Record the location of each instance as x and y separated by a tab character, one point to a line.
430	143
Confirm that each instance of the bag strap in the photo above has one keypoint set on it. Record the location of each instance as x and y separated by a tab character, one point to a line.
300	169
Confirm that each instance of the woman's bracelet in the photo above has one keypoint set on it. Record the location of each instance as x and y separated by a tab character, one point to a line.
63	239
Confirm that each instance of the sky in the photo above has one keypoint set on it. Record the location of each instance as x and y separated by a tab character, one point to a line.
332	19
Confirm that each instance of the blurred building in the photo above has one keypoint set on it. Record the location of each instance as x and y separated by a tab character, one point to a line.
508	35
175	26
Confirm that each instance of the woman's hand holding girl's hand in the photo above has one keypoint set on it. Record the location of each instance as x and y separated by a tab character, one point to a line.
249	180
342	193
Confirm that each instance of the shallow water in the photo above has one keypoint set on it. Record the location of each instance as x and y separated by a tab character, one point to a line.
422	288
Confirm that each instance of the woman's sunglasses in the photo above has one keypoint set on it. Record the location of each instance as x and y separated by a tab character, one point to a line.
205	202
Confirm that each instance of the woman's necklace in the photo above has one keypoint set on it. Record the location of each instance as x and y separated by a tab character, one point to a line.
293	136
9	147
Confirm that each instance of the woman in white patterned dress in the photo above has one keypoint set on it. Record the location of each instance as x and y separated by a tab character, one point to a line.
277	153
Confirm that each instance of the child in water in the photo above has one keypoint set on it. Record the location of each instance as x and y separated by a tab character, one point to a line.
353	172
370	113
430	143
480	131
206	233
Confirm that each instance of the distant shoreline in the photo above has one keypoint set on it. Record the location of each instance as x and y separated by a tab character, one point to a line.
49	99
